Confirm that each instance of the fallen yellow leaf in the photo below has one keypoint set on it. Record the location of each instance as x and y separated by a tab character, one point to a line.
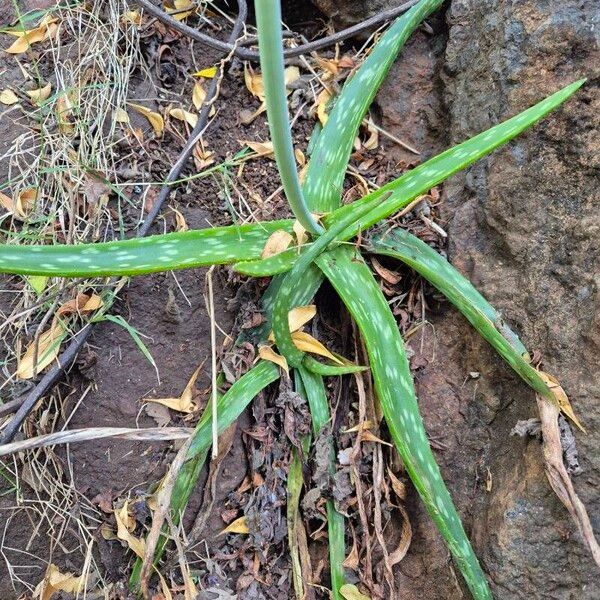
300	232
300	316
322	101
562	399
64	112
278	241
46	29
120	115
254	81
156	120
267	353
185	403
48	348
55	581
367	436
350	592
307	343
180	9
131	17
360	427
184	115
8	97
81	304
238	526
41	94
261	148
181	225
126	524
373	140
23	205
198	95
207	73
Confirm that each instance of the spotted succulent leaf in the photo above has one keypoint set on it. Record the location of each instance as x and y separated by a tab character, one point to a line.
355	284
327	166
219	245
404	246
316	396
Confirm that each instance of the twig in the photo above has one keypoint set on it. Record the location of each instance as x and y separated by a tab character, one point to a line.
252	55
69	355
152	434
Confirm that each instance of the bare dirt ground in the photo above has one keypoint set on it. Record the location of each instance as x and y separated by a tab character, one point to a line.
468	398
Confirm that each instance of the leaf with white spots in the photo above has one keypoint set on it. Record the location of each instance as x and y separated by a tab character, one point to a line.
399	193
359	291
186	249
313	390
327	167
404	246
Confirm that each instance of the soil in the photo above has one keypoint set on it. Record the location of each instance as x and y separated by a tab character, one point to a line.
521	227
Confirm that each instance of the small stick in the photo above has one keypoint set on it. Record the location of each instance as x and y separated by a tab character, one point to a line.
213	364
252	55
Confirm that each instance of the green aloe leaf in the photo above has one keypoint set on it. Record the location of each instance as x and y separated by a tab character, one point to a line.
316	395
404	246
359	291
295	280
314	366
328	162
229	407
219	245
421	179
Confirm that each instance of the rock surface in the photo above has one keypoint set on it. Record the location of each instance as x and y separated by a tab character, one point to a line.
344	14
524	229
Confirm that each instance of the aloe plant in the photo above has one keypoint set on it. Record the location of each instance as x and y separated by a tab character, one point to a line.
300	271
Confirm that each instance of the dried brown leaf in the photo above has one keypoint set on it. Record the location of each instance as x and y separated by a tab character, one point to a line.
156	120
267	353
185	403
48	348
561	398
8	97
54	581
278	241
238	526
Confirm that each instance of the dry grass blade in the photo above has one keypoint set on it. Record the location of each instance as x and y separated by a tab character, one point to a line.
559	478
163	506
152	434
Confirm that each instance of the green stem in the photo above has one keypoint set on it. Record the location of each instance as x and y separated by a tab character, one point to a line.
321	416
270	40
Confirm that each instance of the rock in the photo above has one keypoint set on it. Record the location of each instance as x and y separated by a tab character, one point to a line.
524	229
344	14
